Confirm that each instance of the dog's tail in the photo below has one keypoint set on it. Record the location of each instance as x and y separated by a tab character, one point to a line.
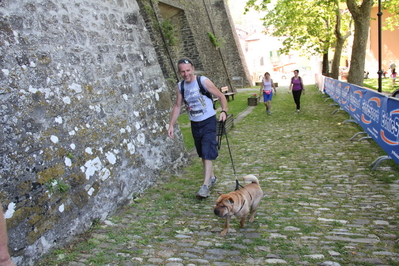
251	178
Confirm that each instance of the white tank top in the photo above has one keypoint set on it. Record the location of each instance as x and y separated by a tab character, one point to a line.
267	85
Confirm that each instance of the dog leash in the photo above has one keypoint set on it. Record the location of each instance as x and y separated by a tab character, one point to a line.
221	131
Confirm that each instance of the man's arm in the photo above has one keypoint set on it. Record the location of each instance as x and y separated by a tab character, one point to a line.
175	113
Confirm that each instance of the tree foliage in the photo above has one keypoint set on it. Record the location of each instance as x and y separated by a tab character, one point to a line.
319	25
302	24
392	6
310	25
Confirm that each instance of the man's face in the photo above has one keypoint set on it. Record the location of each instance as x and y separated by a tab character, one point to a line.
187	72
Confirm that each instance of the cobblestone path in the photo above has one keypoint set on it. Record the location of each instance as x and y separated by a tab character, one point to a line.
322	205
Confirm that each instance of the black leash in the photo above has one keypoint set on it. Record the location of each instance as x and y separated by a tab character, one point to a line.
222	131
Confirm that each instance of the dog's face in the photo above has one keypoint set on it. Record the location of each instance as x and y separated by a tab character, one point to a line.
224	205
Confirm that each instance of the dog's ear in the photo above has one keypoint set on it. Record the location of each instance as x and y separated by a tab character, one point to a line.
228	201
220	194
231	200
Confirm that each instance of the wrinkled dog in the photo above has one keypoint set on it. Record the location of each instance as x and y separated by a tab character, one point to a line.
239	203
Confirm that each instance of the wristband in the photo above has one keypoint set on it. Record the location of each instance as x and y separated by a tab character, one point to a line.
223	112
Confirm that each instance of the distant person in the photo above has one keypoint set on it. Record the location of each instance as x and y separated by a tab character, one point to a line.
393	77
297	88
267	88
5	259
392	66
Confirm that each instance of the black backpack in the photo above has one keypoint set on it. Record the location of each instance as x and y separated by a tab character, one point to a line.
202	90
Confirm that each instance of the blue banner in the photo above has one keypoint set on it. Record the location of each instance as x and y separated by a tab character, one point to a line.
376	113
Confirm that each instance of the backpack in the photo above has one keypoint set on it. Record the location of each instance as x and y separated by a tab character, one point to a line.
202	90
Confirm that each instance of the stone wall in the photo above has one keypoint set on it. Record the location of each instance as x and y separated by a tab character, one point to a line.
86	90
192	22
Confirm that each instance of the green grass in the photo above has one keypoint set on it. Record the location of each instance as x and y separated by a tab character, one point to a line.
386	85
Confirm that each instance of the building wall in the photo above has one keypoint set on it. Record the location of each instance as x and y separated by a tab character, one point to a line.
86	90
389	48
192	21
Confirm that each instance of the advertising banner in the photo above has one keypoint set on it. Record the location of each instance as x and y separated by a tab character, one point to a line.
376	113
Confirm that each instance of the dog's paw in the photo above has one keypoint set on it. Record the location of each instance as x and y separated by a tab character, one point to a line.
252	218
224	232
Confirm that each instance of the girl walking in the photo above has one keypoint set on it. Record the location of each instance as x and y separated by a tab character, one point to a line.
297	88
267	87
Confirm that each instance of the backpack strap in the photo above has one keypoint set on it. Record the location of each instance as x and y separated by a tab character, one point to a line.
202	89
182	90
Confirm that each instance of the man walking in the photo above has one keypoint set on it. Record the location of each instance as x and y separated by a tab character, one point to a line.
202	116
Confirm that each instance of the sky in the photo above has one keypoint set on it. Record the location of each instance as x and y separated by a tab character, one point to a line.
237	12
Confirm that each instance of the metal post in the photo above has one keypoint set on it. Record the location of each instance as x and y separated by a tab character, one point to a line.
380	72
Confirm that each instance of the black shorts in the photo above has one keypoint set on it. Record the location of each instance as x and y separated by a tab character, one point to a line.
204	134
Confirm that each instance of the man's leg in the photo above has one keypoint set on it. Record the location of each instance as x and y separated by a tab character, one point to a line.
5	259
208	147
208	171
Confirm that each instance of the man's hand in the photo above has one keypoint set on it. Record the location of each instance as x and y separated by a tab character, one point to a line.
170	132
223	116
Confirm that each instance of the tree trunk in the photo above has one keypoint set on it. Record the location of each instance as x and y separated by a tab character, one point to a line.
337	58
361	17
339	42
358	58
325	69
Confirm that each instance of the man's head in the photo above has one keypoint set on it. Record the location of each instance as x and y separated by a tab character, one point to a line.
184	61
186	69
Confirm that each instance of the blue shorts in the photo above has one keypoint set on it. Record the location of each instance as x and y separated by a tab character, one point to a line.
267	97
204	134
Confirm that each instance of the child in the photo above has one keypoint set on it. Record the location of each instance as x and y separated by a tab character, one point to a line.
393	76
